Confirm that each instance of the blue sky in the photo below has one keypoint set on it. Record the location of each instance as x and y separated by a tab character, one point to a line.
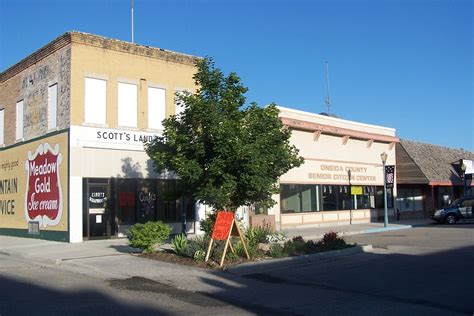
401	64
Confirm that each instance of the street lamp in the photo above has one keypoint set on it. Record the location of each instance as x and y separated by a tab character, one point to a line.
384	156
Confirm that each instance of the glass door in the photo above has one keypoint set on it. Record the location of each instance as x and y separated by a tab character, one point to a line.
97	219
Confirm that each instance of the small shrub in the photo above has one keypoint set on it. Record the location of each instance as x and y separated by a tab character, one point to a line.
253	251
312	247
331	241
147	236
198	243
255	235
297	239
329	237
230	255
180	244
217	249
296	246
277	251
199	255
239	249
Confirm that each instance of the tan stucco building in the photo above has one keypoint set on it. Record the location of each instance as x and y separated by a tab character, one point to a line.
335	150
81	107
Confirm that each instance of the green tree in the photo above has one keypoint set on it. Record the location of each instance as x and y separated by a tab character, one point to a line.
225	154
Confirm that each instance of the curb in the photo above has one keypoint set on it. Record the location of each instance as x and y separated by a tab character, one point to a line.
368	231
22	256
54	259
275	264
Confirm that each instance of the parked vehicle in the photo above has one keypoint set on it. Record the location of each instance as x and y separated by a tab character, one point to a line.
462	208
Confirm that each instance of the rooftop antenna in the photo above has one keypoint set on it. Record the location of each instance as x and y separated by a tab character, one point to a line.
328	100
132	21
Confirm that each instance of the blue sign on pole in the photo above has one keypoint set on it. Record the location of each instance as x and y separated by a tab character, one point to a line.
389	176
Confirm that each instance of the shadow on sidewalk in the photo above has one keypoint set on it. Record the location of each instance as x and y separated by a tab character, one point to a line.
20	298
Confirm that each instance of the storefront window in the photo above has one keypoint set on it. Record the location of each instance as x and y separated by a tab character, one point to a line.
170	203
379	198
314	198
329	197
299	198
344	198
143	200
366	199
290	202
445	196
126	201
308	196
418	199
409	199
146	200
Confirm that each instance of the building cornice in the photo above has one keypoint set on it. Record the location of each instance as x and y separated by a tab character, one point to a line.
337	131
32	59
98	42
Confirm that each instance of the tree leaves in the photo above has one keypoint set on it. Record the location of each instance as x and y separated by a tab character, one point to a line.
224	154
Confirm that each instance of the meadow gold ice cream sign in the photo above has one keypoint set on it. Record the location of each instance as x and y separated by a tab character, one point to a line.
34	187
43	199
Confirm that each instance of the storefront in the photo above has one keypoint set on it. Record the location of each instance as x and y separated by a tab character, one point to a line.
341	179
112	205
119	185
429	177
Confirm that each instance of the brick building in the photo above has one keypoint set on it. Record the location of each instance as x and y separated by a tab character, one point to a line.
73	118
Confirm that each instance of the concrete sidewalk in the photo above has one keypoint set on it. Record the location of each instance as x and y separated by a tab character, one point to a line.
356	229
57	252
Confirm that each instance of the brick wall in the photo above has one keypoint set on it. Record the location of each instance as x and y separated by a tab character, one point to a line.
31	85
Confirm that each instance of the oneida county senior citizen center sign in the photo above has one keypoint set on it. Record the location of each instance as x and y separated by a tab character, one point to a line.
34	185
327	172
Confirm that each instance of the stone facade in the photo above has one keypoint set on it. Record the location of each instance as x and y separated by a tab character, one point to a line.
31	85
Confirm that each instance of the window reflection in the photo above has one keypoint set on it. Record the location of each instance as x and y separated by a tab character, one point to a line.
314	197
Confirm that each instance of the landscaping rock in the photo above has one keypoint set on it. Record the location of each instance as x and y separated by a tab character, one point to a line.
264	247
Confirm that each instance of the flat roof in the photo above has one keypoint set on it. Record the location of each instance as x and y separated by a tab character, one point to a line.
335	119
99	42
301	120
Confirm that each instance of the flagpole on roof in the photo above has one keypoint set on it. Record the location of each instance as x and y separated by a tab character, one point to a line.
132	21
328	101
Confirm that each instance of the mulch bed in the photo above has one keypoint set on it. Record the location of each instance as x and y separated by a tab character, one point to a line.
171	257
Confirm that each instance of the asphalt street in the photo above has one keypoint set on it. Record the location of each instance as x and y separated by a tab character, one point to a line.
418	271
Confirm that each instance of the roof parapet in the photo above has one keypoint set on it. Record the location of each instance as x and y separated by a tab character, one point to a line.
99	42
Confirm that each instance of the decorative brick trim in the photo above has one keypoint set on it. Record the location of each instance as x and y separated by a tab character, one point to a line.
131	48
32	59
99	42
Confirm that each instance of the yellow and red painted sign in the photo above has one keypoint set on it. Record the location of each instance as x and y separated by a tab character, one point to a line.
43	199
34	186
